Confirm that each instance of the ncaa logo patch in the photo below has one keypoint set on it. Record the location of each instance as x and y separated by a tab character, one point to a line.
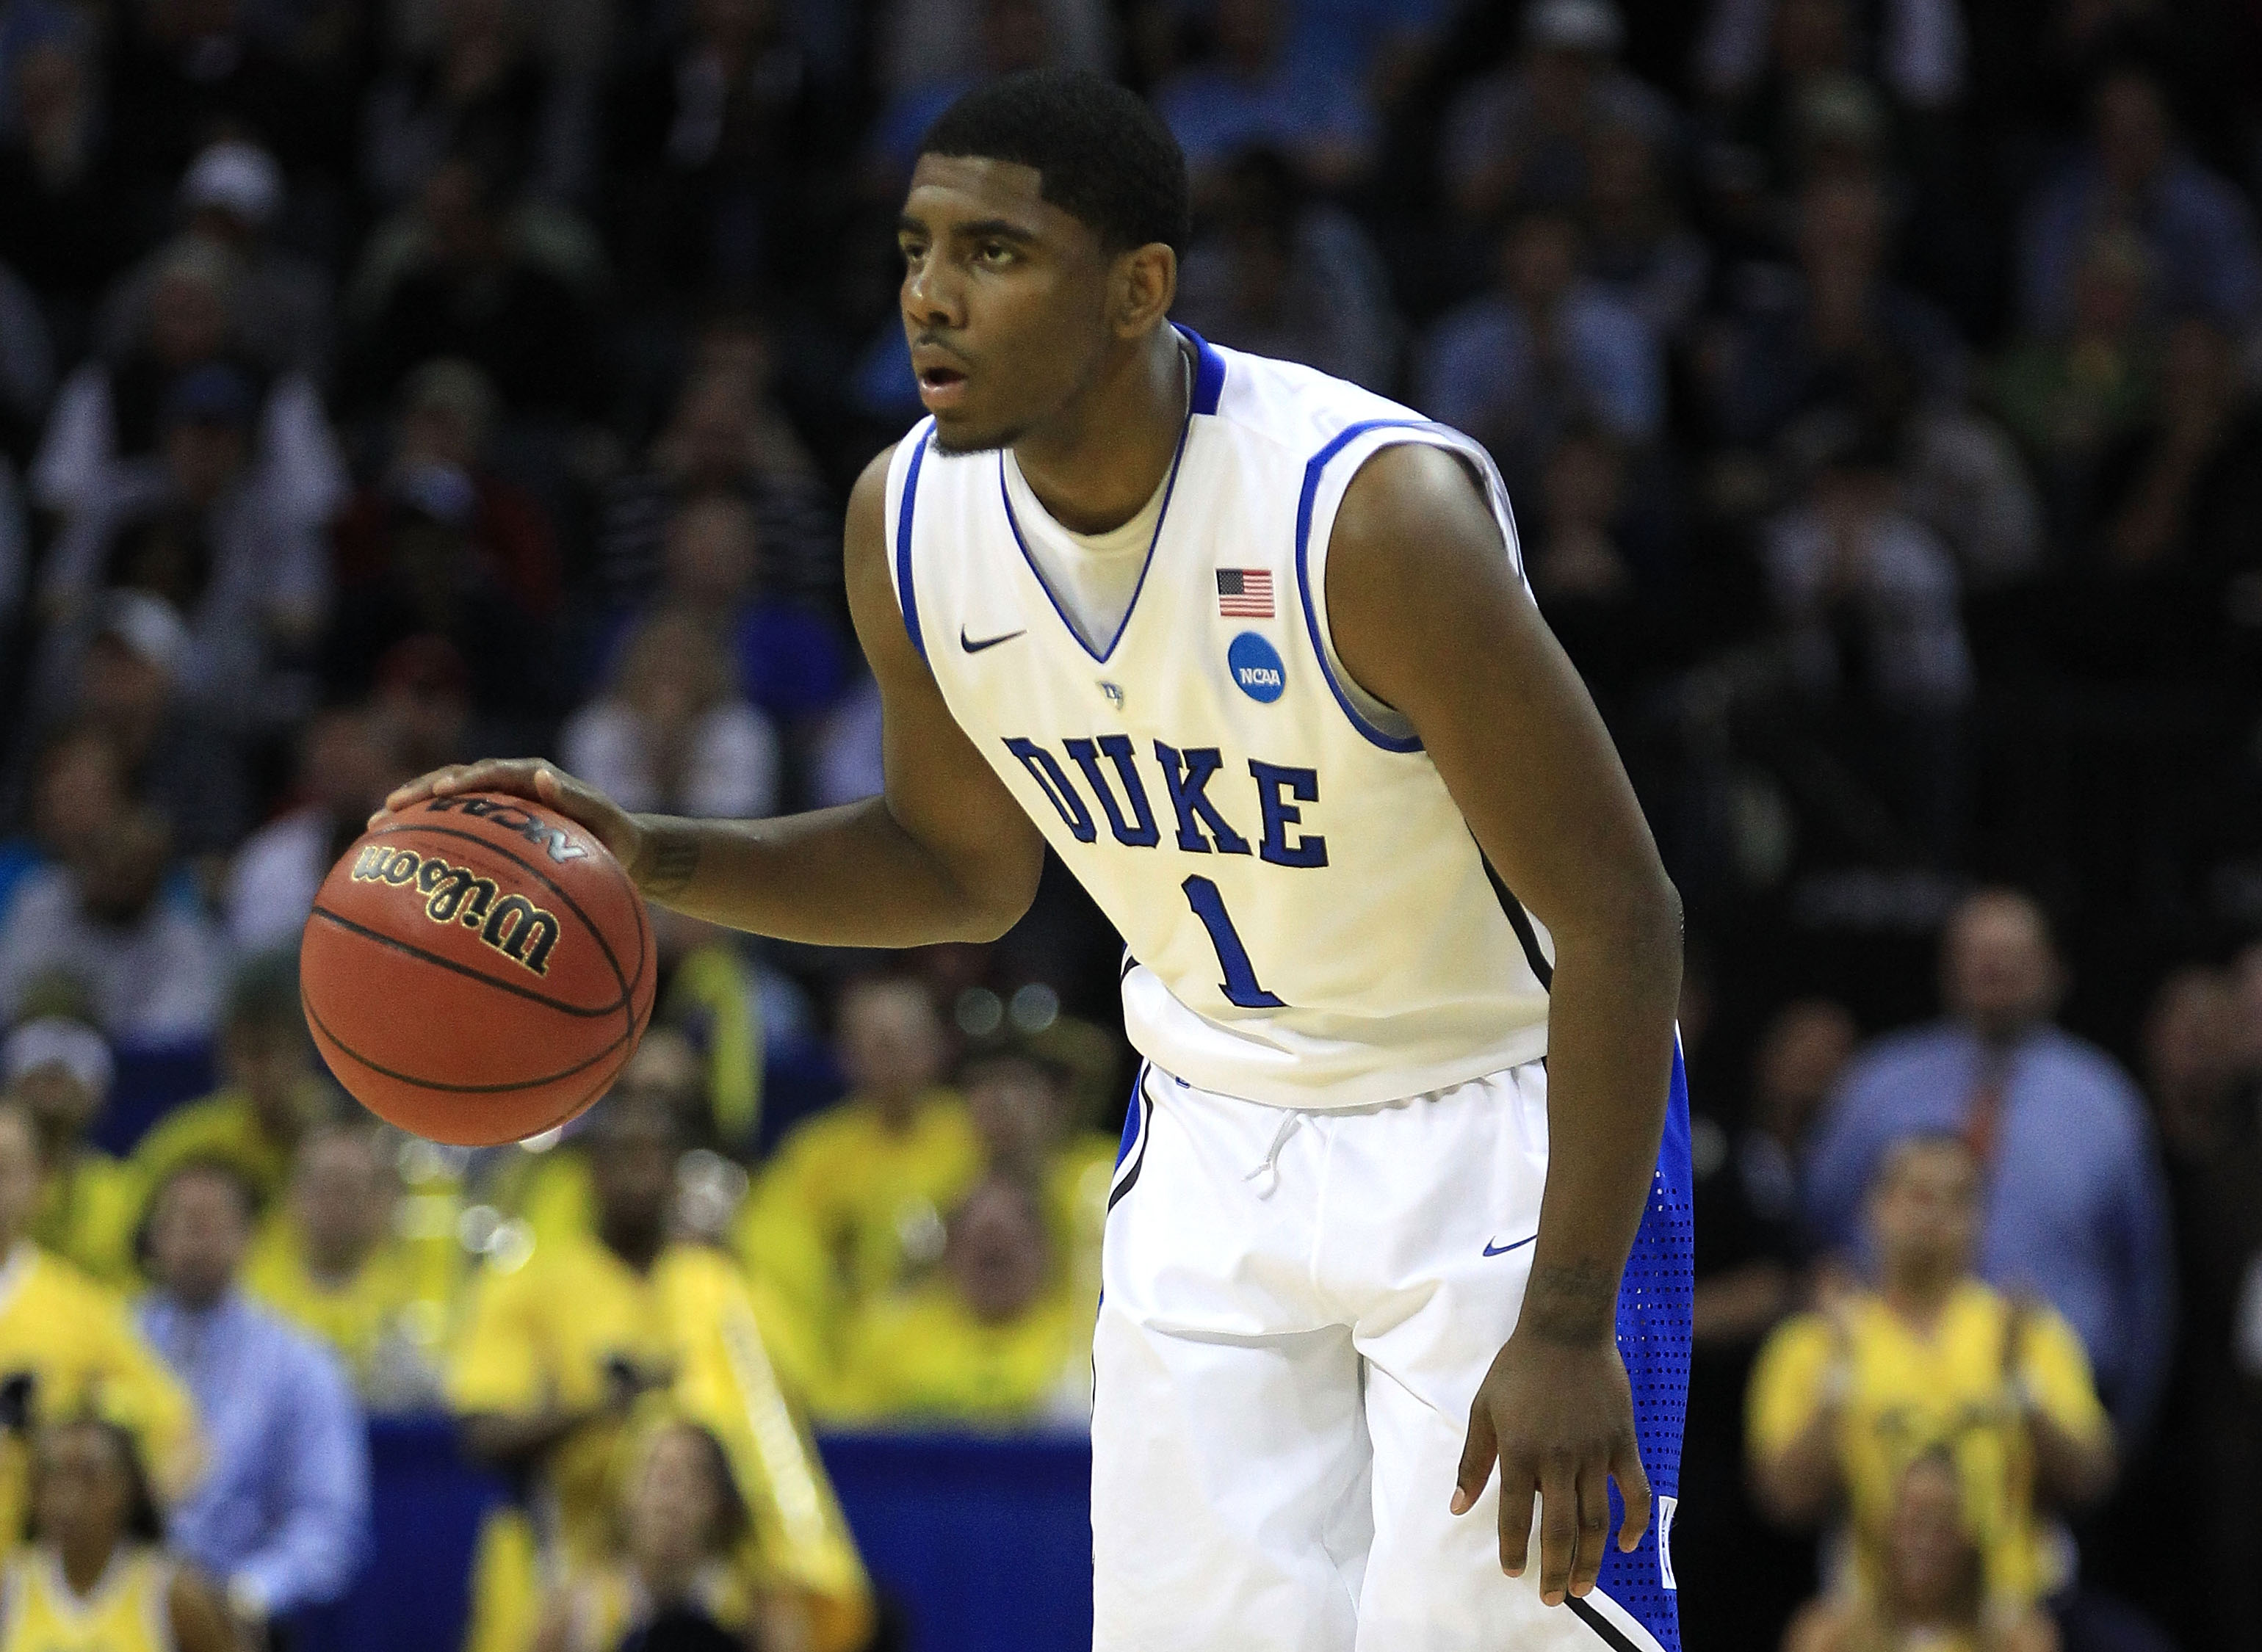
1256	668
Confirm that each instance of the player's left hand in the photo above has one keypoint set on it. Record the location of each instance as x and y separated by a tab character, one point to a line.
1557	1417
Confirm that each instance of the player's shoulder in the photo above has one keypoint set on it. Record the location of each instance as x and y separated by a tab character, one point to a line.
867	497
1296	411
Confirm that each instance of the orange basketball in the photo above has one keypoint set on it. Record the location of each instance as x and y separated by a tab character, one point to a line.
477	969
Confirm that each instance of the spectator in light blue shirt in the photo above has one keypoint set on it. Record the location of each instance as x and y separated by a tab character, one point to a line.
1548	351
2199	231
2077	1210
282	1514
1255	93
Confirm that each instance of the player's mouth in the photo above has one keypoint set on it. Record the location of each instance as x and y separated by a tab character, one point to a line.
940	372
942	386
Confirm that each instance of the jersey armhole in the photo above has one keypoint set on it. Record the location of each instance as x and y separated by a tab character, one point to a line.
901	501
1326	480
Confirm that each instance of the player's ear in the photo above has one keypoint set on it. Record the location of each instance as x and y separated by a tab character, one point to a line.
1146	282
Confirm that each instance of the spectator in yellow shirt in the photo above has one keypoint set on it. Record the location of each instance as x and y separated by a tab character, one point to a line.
272	1091
714	990
331	1261
1842	1402
94	1576
683	1521
546	1185
851	1207
1023	1109
68	1347
1000	1337
557	1351
1932	1595
60	1069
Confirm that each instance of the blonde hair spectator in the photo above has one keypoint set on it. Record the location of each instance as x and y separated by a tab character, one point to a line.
671	733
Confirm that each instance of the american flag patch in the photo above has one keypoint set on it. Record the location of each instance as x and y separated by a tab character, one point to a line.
1244	593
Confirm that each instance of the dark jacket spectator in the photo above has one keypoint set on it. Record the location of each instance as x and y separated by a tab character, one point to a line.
437	581
58	180
204	530
481	87
1278	273
466	284
190	69
1524	133
279	301
2173	540
1834	329
347	764
110	416
726	432
447	417
127	684
149	967
709	147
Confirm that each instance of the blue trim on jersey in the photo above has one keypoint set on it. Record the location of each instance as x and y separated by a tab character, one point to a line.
1344	438
1131	1116
906	598
1209	372
1135	1117
1170	487
1654	1340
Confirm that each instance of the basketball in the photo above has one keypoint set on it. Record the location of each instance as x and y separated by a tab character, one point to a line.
477	969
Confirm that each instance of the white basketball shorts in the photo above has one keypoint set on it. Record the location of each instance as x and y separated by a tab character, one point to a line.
1298	1309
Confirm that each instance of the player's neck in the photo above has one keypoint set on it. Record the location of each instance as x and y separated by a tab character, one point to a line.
1097	463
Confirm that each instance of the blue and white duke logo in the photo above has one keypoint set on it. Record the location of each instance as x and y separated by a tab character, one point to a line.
1256	668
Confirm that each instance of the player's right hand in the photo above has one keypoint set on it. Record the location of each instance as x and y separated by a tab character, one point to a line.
540	781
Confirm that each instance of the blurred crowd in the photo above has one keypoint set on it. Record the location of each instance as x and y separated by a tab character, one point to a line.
630	1332
1879	386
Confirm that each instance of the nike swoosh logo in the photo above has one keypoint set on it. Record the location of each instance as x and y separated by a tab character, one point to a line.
1502	1250
973	647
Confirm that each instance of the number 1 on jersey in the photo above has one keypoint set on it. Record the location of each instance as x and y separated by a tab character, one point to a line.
1239	986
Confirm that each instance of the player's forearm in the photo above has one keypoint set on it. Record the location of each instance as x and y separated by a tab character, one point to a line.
1610	1061
850	876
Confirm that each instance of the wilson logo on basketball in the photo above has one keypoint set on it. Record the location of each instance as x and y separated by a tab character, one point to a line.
514	925
551	840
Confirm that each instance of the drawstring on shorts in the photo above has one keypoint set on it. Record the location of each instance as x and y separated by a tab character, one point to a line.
1270	1168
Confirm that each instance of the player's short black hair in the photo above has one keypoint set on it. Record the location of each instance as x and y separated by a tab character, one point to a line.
1103	154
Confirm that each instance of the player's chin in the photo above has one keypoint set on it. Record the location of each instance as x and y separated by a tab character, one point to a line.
961	429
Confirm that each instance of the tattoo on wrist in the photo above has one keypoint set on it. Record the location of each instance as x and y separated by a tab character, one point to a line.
670	861
1571	1302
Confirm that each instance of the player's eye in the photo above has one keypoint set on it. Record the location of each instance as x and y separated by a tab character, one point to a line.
994	252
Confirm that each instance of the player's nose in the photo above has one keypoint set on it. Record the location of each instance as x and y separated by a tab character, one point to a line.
932	299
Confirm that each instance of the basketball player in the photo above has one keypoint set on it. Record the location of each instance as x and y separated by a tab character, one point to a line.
1252	650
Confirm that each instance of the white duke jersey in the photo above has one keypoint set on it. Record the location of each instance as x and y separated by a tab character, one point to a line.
1307	920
